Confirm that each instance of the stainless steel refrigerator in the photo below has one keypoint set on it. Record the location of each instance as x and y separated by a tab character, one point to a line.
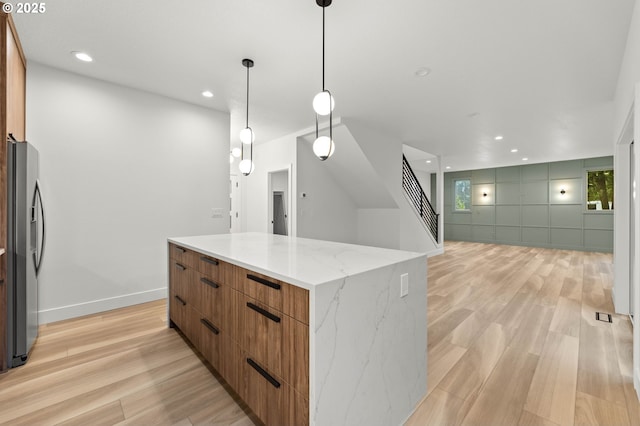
25	244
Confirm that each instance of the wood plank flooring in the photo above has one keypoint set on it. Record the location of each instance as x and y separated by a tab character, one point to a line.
512	340
119	367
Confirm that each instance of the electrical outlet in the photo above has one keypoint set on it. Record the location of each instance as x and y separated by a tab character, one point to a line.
404	285
217	213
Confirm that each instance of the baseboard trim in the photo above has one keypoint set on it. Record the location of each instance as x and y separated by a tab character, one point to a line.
92	307
636	382
436	251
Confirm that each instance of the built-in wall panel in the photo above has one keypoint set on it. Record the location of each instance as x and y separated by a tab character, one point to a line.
535	204
508	215
535	216
510	234
483	232
483	215
508	193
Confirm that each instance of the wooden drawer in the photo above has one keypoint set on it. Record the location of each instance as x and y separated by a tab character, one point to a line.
177	310
186	318
262	328
182	281
211	301
231	365
276	341
210	342
183	255
286	298
262	288
208	265
271	398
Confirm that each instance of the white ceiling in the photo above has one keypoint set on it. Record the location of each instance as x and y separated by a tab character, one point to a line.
541	73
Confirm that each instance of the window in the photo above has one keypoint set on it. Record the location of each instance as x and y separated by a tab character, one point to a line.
600	189
462	195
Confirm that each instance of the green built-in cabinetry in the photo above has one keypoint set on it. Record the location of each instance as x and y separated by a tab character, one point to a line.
524	205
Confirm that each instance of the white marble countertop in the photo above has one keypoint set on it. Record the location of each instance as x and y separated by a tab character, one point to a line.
300	261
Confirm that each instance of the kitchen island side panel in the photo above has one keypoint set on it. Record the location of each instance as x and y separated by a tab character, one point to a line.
369	348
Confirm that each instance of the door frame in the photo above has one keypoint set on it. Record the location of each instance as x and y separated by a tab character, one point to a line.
288	198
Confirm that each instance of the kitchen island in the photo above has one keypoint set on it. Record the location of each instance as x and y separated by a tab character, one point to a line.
306	331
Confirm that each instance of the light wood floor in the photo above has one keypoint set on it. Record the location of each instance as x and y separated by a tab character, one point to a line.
512	340
119	367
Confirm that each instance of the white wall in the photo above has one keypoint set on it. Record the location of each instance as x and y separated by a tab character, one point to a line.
424	179
627	94
121	171
385	154
271	156
327	212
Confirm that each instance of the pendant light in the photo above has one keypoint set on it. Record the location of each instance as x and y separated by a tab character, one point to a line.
247	136
323	104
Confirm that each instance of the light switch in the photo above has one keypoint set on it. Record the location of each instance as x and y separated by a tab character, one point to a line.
404	285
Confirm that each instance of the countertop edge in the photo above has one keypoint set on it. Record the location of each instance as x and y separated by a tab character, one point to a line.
289	279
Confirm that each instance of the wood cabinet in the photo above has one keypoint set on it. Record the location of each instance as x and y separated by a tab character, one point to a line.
253	329
13	70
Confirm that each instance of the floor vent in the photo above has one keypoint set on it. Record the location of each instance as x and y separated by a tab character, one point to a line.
603	317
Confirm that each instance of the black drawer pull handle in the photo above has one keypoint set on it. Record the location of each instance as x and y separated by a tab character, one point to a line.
181	267
180	300
209	326
181	249
263	281
209	282
211	261
267	314
274	382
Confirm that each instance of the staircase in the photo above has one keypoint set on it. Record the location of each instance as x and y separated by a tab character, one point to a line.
414	192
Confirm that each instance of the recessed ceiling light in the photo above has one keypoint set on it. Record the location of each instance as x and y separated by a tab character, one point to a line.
236	152
428	161
423	72
525	159
499	138
448	167
82	56
514	150
207	94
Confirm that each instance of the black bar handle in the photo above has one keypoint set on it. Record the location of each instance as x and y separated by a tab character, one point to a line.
259	310
181	267
270	379
180	300
209	282
181	249
211	261
209	326
263	281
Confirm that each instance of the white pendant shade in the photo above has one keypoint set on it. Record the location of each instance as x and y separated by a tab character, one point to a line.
323	147
323	103
247	136
246	167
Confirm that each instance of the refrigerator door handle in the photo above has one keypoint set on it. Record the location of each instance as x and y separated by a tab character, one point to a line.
37	199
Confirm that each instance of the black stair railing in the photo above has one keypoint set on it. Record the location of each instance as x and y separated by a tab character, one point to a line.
419	199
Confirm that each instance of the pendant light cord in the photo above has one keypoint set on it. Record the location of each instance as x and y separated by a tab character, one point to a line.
323	8
247	96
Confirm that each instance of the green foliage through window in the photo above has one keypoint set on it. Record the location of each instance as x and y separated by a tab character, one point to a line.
462	193
600	190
